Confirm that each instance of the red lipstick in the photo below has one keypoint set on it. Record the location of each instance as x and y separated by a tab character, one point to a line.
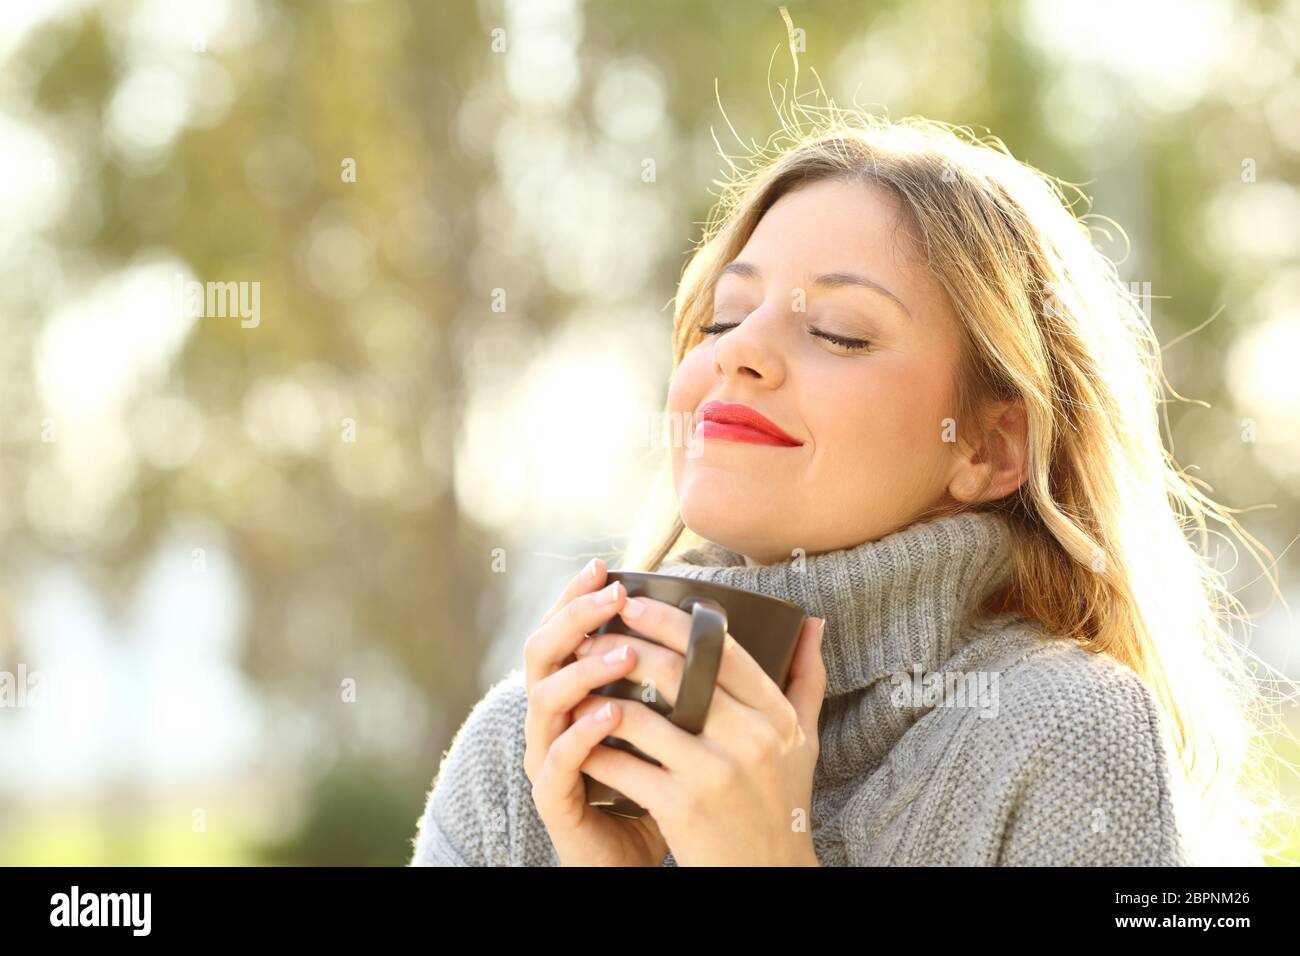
740	423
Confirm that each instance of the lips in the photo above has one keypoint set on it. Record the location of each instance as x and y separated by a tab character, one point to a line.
733	422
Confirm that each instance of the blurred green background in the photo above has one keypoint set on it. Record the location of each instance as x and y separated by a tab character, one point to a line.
265	563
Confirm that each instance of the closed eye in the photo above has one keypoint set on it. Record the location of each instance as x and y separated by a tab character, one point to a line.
856	345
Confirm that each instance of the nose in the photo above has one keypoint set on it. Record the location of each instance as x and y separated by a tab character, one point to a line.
753	349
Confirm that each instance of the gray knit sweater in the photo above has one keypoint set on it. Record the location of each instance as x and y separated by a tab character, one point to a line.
944	740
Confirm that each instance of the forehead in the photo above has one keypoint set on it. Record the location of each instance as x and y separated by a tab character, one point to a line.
837	226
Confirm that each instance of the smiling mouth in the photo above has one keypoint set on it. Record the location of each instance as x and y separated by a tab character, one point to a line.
737	432
737	422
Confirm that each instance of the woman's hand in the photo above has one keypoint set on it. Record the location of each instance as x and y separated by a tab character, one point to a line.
557	741
739	792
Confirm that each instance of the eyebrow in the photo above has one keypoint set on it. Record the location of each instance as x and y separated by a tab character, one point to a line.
828	280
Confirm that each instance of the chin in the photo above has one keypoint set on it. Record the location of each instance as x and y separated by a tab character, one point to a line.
726	519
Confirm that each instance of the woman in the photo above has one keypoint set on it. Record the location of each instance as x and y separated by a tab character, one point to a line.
927	412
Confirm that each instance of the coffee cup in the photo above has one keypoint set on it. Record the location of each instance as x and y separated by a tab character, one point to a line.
766	627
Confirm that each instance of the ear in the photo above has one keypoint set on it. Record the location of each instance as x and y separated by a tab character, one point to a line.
997	466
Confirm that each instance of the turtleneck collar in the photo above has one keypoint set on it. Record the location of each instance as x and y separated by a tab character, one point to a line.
890	604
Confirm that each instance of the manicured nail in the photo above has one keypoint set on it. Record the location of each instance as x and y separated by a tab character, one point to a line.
608	595
633	608
618	654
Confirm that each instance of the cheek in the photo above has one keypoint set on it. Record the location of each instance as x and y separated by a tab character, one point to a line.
690	380
686	390
890	414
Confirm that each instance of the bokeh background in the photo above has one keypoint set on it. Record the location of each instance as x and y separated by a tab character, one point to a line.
263	569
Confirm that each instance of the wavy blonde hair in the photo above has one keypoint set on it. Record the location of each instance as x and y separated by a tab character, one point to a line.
1100	526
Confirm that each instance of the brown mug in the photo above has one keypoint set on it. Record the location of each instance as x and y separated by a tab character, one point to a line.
767	627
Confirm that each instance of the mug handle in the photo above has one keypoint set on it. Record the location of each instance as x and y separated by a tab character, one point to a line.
703	660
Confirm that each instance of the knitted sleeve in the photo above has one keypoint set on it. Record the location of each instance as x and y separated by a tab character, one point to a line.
1095	787
480	810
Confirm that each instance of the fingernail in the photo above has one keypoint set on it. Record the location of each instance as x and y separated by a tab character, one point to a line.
606	712
582	648
590	569
618	654
608	595
633	608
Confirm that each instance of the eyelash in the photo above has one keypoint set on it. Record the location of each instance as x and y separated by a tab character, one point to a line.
857	345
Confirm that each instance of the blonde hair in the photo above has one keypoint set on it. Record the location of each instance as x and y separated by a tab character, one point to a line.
1099	528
